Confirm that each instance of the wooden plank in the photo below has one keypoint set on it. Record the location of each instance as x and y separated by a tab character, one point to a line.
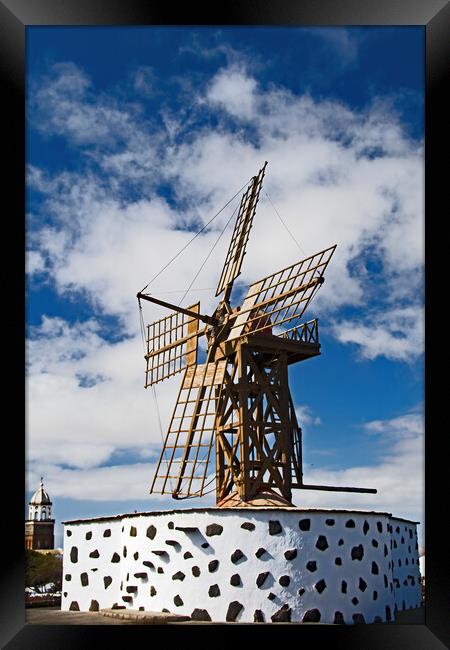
211	374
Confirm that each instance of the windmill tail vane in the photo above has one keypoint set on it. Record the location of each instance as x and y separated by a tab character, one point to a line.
235	410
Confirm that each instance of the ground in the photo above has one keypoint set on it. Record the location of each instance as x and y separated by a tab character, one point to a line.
54	616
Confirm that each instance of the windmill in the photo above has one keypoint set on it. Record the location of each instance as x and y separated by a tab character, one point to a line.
237	404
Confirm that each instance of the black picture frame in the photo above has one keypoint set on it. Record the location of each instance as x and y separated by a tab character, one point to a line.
15	16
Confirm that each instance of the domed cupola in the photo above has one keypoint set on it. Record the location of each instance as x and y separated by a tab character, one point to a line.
40	506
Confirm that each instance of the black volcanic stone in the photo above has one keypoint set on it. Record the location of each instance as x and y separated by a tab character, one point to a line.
152	591
170	525
301	591
187	555
284	581
350	523
69	533
212	566
213	529
89	535
200	615
260	580
338	561
214	591
362	584
374	543
177	601
205	545
141	574
236	556
149	564
344	587
357	552
247	525
290	554
311	565
74	554
107	581
107	533
195	571
161	553
365	527
171	542
329	522
341	542
355	601
311	616
136	555
275	527
260	552
338	618
271	596
68	577
131	589
283	615
115	558
380	526
84	579
74	607
233	611
179	575
151	532
94	607
127	599
133	531
375	570
235	580
304	524
124	551
322	543
258	616
386	552
94	554
320	586
375	595
358	618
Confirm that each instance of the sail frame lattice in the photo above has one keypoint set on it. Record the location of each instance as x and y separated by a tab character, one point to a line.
172	344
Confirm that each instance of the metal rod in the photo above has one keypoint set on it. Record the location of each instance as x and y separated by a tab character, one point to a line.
206	319
333	488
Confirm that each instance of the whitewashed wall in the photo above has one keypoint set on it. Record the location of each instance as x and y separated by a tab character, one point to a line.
245	564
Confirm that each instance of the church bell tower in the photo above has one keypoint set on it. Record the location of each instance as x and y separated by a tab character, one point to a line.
39	527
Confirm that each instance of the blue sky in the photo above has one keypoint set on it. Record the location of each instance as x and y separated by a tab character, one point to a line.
135	138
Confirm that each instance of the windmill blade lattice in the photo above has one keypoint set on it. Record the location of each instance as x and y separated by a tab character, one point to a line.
187	447
281	297
238	243
172	344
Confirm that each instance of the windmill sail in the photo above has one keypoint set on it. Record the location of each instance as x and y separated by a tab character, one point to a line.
236	250
184	460
172	344
282	297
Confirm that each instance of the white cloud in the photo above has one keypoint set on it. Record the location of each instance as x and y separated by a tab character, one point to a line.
305	416
233	90
396	334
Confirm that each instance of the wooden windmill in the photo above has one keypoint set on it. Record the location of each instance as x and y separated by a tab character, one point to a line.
237	405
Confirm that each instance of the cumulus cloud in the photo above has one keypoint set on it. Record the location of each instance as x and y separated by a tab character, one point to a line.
396	334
